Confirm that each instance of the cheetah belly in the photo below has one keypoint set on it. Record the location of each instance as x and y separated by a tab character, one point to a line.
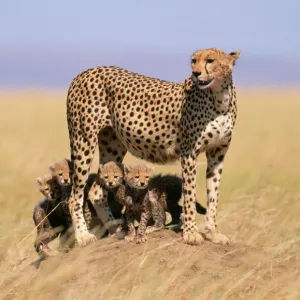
219	131
159	146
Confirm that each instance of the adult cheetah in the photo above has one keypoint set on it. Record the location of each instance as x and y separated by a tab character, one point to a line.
158	121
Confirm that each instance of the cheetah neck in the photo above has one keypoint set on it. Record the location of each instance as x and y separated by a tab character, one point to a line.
224	96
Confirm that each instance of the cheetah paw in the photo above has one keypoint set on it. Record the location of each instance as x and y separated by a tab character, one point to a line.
216	238
85	239
192	236
140	239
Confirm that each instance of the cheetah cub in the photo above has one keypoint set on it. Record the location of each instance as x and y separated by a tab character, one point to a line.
51	216
129	189
156	195
48	215
112	179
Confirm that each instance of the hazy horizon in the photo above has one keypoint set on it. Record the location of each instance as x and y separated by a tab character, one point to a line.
47	44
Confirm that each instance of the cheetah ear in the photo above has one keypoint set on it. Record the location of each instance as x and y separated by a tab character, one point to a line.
188	83
234	56
39	181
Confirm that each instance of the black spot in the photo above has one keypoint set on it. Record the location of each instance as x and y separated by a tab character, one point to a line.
210	174
220	158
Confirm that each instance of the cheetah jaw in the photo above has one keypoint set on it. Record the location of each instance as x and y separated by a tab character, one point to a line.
204	84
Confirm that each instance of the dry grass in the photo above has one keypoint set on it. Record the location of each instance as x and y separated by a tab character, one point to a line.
259	211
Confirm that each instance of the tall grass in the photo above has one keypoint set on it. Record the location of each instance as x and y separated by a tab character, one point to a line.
258	210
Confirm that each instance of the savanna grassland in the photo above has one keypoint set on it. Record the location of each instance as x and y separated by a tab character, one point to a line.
259	211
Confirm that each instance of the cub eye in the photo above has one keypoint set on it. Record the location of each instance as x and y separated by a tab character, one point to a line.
209	61
137	177
193	60
60	173
46	189
116	177
147	177
105	177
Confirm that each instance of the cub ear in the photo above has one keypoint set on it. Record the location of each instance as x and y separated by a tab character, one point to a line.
122	167
126	169
39	181
52	168
101	167
150	167
188	83
70	164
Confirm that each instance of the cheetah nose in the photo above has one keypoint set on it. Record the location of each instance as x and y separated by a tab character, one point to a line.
66	180
196	74
142	183
110	183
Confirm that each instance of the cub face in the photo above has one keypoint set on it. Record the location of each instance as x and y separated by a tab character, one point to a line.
62	171
138	176
111	174
46	185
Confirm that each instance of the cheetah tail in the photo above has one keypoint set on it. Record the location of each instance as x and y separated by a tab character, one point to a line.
200	209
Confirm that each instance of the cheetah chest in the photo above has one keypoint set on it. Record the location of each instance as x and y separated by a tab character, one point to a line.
218	132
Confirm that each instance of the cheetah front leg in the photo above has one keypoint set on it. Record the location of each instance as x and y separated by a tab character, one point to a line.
82	154
215	161
191	233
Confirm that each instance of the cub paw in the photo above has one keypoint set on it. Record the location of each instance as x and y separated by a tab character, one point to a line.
140	239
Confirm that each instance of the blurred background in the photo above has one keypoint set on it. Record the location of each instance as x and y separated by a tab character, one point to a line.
46	43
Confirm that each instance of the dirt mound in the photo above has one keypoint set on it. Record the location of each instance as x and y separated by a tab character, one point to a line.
164	267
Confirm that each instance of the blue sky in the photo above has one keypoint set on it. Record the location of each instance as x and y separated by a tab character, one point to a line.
60	29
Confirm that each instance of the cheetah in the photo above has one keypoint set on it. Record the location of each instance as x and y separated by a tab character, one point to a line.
159	121
154	196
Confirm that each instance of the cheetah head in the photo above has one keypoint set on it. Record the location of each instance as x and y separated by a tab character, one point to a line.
138	176
46	186
111	174
62	171
211	66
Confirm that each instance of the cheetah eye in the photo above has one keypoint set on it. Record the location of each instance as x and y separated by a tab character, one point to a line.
116	177
137	177
209	61
193	60
105	177
46	189
147	177
60	173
